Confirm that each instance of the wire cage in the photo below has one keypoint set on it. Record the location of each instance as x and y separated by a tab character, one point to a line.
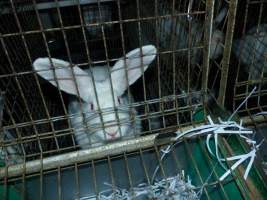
250	38
191	60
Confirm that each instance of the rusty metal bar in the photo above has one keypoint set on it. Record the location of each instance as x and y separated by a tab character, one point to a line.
207	40
98	24
50	5
84	155
78	156
227	50
247	186
206	154
189	151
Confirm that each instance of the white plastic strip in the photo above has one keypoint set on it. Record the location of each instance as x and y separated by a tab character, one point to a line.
224	128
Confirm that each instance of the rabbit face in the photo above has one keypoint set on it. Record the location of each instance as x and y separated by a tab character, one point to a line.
88	127
106	118
115	117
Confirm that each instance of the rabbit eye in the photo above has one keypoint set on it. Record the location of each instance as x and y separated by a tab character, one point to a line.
92	106
119	100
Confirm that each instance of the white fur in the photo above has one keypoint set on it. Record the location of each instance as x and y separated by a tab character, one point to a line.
12	154
88	126
180	25
251	50
216	49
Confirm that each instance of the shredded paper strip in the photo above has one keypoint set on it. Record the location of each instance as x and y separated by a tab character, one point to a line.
172	188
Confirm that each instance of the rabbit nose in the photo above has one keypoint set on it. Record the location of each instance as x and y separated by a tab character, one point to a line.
112	135
112	132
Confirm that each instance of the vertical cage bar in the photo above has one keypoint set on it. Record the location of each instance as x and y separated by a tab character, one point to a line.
190	153
4	195
94	178
41	180
59	192
19	85
109	74
124	62
77	181
246	188
129	176
63	31
144	166
227	50
158	61
207	39
88	53
211	165
24	185
111	174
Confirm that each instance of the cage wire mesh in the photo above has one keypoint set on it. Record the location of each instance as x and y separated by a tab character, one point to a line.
249	53
180	37
55	160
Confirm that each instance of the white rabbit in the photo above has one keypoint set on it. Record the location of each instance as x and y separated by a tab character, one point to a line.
11	154
251	49
88	129
178	27
175	31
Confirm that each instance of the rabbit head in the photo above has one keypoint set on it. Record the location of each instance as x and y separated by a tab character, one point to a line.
100	96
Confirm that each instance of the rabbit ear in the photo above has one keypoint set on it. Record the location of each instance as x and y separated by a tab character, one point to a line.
61	71
135	60
220	16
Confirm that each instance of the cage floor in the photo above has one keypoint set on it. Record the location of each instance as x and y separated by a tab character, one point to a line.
81	181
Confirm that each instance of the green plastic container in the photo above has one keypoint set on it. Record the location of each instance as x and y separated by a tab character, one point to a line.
9	192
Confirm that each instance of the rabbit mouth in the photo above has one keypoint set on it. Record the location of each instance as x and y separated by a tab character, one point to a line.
112	135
